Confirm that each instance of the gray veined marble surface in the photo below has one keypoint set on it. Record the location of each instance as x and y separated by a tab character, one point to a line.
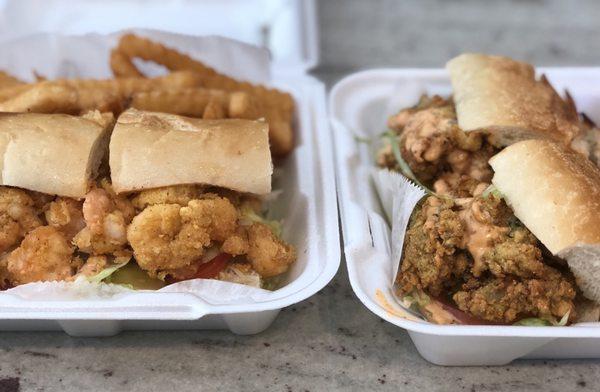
330	341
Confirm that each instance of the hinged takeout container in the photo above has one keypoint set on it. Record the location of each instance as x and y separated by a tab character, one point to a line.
307	205
359	106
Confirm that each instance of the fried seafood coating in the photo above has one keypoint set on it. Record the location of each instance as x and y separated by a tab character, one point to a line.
93	265
44	255
507	300
432	260
169	236
477	253
176	194
18	216
66	215
268	254
106	216
433	145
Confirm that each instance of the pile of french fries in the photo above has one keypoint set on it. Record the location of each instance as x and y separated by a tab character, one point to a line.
191	89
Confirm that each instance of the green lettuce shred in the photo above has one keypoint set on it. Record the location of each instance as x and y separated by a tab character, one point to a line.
538	322
106	272
492	191
275	225
404	167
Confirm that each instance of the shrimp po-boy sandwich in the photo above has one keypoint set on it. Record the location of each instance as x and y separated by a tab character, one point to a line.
145	200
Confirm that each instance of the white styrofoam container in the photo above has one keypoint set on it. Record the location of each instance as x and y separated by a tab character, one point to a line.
307	206
359	106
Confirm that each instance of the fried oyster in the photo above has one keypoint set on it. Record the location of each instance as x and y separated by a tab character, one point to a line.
473	254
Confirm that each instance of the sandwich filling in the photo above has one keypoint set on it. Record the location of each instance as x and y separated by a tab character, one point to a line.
438	153
474	255
144	240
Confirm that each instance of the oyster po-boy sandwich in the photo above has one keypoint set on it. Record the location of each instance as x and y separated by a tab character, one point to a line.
525	249
157	199
445	143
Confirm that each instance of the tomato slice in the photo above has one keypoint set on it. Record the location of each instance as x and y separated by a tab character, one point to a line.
207	270
211	268
463	317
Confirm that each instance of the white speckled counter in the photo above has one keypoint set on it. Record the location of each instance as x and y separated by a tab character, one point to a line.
331	342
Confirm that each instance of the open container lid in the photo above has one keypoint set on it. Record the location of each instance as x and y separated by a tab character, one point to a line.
287	28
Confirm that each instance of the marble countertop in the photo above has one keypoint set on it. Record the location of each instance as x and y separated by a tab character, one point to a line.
331	341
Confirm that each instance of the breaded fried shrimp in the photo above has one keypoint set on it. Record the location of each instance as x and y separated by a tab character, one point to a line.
106	216
66	215
268	255
44	255
168	236
176	194
18	216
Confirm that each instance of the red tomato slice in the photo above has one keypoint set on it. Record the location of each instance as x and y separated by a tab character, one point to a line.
207	270
211	268
464	318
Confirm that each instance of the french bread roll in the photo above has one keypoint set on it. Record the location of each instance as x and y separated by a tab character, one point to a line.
56	154
555	192
503	97
150	150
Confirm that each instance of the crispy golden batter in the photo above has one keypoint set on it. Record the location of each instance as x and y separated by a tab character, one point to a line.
176	194
168	236
66	215
507	300
18	216
268	255
432	260
93	265
44	255
477	253
106	216
438	152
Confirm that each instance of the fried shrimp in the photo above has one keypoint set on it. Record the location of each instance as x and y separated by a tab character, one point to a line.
268	255
106	217
17	216
66	215
176	194
44	255
167	236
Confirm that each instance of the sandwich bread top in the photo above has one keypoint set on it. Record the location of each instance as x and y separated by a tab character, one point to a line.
150	150
553	190
502	96
56	154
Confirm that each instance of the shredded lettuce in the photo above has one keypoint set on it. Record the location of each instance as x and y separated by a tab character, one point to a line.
404	167
533	322
249	214
538	322
365	140
106	272
133	277
492	191
272	283
236	273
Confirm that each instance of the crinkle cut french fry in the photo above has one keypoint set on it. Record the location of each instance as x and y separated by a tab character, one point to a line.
214	110
278	106
7	80
104	95
43	98
122	65
186	102
132	46
243	105
13	91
